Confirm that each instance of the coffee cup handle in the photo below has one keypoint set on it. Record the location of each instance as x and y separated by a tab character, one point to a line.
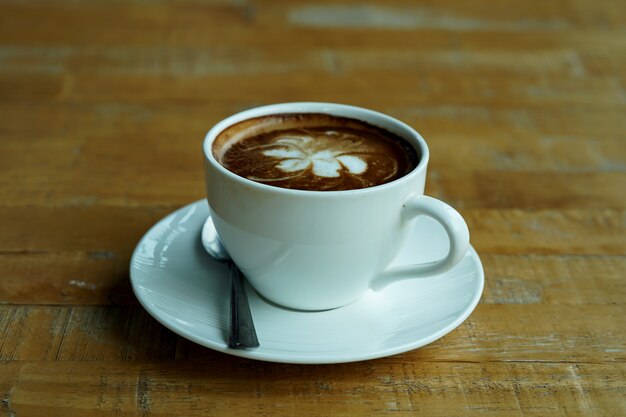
453	224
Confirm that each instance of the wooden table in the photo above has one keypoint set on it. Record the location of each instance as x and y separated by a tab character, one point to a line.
103	107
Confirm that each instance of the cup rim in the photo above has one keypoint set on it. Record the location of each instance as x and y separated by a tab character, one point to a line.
336	109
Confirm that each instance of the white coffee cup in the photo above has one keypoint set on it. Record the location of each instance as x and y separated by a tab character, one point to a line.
316	250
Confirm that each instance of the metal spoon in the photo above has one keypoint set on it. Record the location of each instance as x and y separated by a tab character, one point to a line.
242	334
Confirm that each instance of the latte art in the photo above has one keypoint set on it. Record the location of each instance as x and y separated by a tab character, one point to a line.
313	152
325	154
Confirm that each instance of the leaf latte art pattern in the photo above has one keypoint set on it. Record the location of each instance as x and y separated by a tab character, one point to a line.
325	154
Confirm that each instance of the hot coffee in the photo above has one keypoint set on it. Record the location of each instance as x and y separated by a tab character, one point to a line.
313	151
316	250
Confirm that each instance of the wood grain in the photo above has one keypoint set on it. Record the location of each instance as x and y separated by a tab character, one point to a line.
101	278
494	333
103	107
380	387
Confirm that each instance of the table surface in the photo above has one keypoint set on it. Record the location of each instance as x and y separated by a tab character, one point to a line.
103	106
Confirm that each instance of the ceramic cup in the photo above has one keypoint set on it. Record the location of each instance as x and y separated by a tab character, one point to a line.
316	250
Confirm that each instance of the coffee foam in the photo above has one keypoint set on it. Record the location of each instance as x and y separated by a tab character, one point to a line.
313	151
325	153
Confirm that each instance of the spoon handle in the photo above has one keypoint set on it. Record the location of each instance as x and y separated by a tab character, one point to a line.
242	332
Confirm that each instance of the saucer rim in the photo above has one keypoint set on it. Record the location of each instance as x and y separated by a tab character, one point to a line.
258	354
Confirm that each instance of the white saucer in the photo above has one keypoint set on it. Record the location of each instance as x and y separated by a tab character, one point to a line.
184	289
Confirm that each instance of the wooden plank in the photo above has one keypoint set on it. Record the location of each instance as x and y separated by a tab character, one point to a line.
530	189
520	333
237	387
58	229
525	138
19	86
93	173
578	121
487	172
83	333
530	142
202	24
431	88
603	62
494	333
478	145
101	278
514	231
607	14
535	279
161	60
547	129
506	16
498	231
68	278
141	23
509	332
230	60
573	172
33	124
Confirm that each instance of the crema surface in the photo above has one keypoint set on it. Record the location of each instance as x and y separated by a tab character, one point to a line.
314	152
